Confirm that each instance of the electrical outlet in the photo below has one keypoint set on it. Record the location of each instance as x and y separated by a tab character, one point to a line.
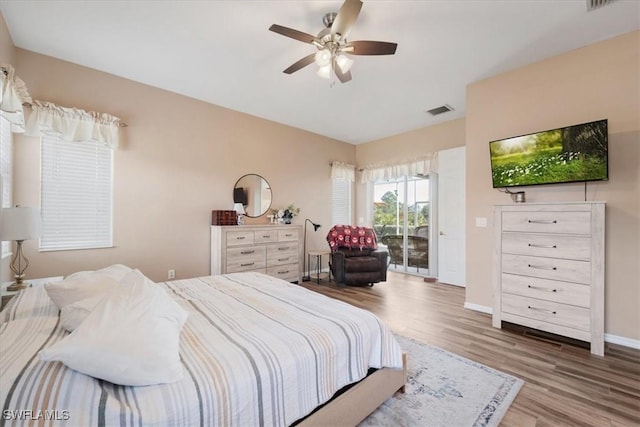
171	274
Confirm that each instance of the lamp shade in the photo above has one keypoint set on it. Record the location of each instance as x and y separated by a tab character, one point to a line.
239	208
325	72
20	223
344	62
323	57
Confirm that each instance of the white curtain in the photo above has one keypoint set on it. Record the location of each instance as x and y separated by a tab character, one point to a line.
73	124
344	171
13	93
419	166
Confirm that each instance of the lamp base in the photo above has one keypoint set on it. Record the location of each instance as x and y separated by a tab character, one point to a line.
16	287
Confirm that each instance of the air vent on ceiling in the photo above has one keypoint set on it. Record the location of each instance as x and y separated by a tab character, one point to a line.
595	4
439	110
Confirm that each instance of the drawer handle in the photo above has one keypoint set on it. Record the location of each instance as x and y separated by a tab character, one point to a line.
247	252
542	221
240	238
247	265
266	236
541	267
283	272
284	248
288	235
541	309
540	288
533	245
283	259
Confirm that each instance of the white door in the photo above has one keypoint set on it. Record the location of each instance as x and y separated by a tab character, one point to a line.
451	216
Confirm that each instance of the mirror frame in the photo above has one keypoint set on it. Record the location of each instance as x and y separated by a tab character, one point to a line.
268	186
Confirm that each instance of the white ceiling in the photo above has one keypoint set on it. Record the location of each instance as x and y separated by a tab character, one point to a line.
222	52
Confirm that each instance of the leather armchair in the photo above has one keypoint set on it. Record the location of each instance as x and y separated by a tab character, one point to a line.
358	266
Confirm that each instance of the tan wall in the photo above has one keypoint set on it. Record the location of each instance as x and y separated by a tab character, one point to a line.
596	82
179	159
7	50
7	56
412	144
405	146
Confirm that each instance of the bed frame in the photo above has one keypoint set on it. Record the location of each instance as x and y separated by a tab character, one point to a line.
355	404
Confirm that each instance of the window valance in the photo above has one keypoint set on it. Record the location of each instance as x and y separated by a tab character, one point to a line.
344	171
13	93
73	124
419	166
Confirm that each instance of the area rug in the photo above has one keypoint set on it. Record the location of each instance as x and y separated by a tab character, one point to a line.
444	389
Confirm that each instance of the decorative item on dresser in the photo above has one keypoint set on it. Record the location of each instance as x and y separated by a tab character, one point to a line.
549	269
239	208
224	218
271	249
285	216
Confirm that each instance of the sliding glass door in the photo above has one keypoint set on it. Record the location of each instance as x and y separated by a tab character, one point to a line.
401	218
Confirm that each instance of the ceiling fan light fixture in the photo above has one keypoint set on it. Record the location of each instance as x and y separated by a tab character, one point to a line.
323	57
325	71
332	43
344	62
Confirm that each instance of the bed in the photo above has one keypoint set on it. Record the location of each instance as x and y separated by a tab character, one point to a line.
256	350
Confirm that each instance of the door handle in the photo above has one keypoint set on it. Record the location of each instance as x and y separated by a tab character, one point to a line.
442	233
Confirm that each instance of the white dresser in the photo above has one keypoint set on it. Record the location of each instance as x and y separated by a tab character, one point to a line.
549	269
271	249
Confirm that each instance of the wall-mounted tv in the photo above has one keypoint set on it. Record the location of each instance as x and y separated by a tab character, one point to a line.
569	154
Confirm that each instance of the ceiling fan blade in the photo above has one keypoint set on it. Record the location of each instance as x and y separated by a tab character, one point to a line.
294	34
300	64
347	16
367	47
343	77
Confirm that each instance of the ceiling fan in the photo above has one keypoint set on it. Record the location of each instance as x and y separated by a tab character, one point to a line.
332	43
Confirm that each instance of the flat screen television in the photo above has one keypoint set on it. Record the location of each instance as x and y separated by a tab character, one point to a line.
570	154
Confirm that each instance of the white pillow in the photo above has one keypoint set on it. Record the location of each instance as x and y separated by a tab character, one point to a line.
85	284
116	271
132	337
72	315
79	287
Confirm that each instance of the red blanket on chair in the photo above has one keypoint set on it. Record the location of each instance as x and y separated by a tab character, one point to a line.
350	236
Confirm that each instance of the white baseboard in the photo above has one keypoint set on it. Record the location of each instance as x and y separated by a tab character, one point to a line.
613	339
477	307
624	341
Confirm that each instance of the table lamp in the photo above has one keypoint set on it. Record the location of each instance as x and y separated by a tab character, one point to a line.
239	208
19	224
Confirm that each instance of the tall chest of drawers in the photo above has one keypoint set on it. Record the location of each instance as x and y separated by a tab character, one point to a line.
549	269
271	249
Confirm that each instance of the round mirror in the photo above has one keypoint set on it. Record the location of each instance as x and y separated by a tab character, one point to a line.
254	192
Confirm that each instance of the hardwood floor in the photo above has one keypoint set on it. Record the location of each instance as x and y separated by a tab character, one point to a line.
565	384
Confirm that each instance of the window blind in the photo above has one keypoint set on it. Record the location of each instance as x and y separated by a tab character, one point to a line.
6	170
76	195
341	202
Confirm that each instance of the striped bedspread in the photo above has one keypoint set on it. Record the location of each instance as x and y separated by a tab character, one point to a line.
256	351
